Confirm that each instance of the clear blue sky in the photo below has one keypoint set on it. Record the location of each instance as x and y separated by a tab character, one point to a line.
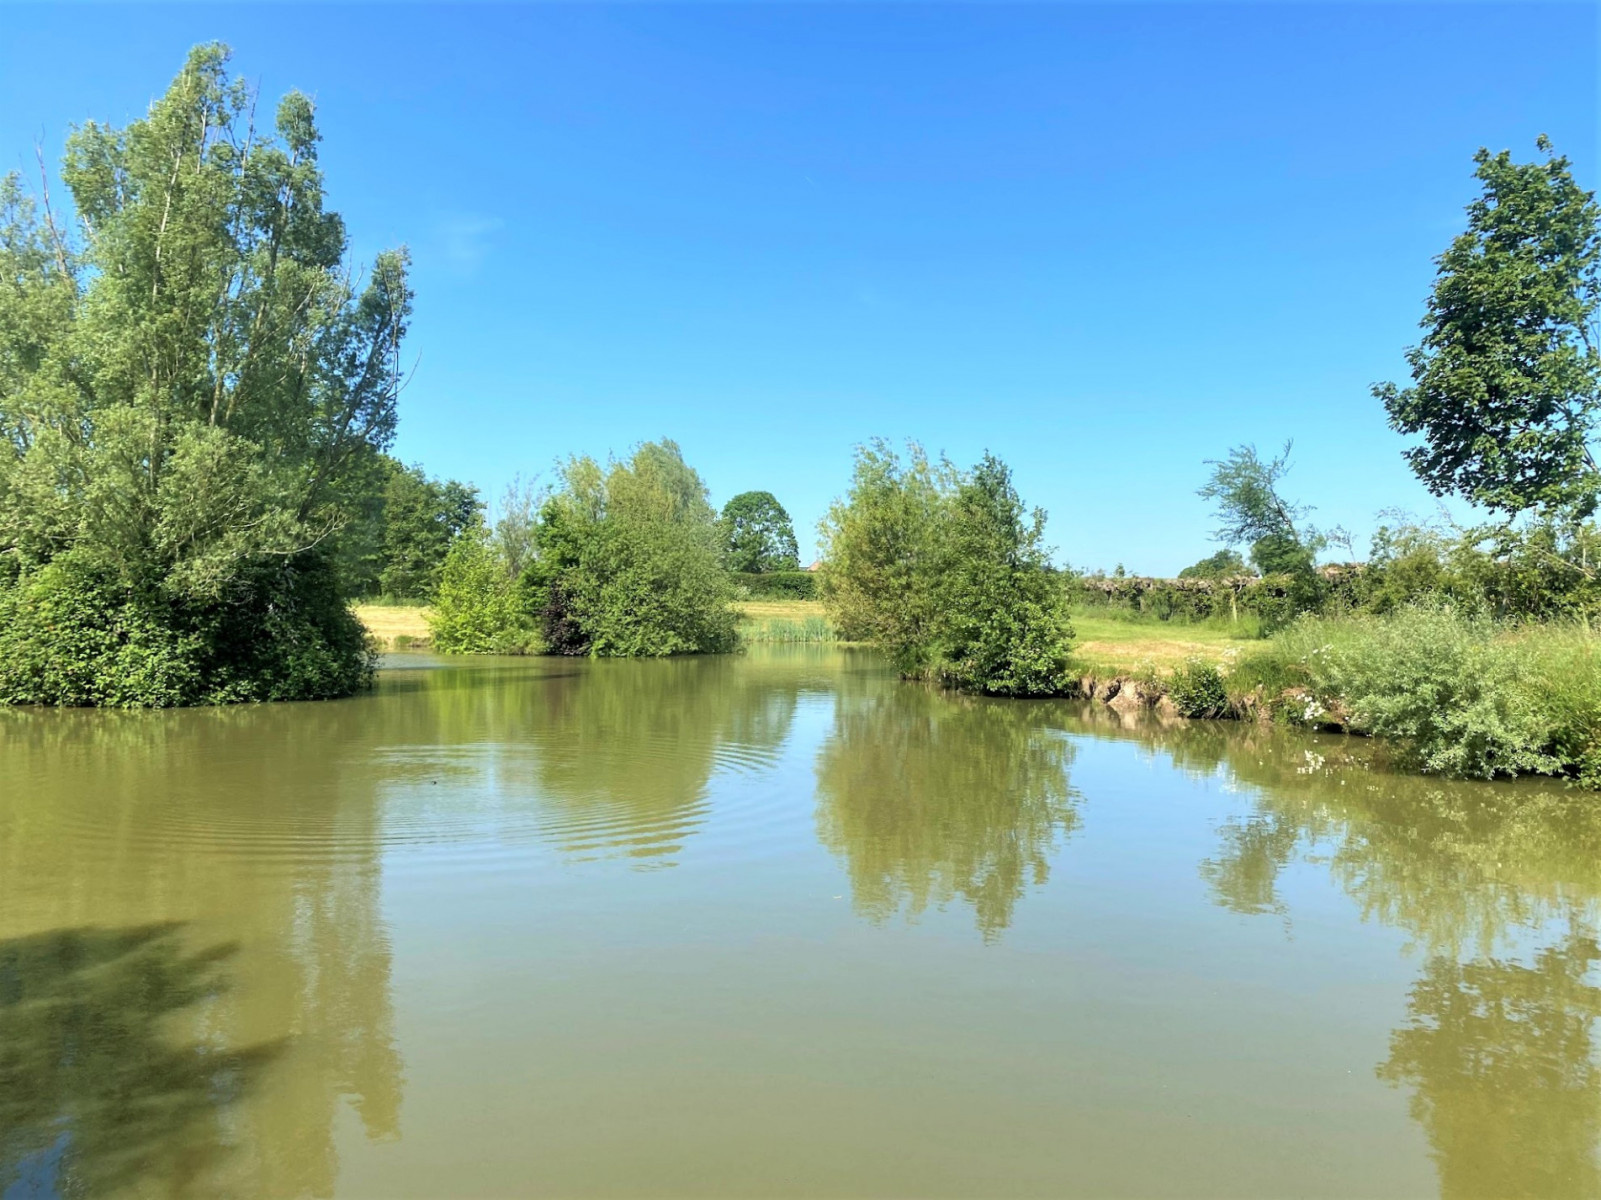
1105	242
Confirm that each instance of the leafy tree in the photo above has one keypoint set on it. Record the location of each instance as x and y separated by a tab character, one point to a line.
1507	381
515	524
422	519
628	560
948	573
760	535
186	389
1251	511
1225	564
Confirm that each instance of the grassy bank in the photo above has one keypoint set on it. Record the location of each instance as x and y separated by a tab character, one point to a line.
1111	643
783	621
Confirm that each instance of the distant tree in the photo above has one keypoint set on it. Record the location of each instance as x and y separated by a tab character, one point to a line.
422	517
1251	512
1225	564
515	522
1507	381
760	535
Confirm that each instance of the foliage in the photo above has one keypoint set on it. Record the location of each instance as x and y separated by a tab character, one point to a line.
409	531
1225	564
514	525
1461	694
478	608
944	571
1251	511
187	390
629	560
72	634
1196	690
779	585
1506	385
760	536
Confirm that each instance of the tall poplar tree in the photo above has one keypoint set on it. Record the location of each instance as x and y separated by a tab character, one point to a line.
191	381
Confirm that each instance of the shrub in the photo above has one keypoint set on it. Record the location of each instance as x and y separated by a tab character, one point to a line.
1197	690
72	634
478	608
1461	694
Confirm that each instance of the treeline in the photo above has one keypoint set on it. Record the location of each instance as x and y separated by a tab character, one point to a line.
1540	571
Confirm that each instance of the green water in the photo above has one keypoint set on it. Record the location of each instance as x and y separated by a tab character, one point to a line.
777	925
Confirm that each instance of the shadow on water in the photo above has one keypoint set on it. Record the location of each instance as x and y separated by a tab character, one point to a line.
1499	884
95	1096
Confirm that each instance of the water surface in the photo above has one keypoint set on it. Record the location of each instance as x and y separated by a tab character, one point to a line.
777	925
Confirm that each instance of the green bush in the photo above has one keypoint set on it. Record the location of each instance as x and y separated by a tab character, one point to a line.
629	561
1197	690
1460	694
478	608
947	572
778	585
71	634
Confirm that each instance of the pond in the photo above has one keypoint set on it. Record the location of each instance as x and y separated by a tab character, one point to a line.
777	924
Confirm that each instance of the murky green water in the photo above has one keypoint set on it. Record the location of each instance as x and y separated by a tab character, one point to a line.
776	925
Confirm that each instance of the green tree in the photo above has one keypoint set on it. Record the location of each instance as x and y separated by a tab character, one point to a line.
628	560
422	518
1506	384
186	389
1251	511
477	606
760	535
1225	564
948	573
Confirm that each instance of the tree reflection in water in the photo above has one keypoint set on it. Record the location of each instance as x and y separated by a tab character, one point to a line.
929	797
1501	1057
1499	883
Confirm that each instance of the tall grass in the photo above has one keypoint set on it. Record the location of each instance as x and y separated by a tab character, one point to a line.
1459	693
786	630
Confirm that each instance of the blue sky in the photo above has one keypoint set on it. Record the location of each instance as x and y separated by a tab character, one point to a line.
1104	242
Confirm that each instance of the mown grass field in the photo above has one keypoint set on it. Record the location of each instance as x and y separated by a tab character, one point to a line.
1105	644
387	622
1114	645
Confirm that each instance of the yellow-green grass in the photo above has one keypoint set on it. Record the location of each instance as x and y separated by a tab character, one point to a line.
789	610
389	622
1109	645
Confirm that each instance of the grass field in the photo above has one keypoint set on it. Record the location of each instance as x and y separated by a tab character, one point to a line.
387	622
1106	644
1116	645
